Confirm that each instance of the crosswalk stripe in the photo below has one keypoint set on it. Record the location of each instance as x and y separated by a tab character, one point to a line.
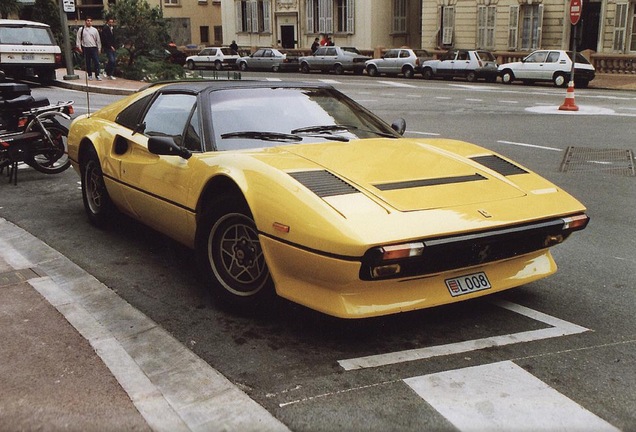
558	328
501	397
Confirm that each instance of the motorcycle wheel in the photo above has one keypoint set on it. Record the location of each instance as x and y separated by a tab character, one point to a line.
51	157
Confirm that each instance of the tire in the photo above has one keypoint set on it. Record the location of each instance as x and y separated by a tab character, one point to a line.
471	76
560	80
507	77
97	203
372	70
243	66
408	72
427	73
230	255
275	68
51	157
190	64
304	68
218	65
338	69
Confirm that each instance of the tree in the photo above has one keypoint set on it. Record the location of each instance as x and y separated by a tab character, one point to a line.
141	28
8	7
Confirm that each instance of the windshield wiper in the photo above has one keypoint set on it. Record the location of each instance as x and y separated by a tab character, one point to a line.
326	128
265	136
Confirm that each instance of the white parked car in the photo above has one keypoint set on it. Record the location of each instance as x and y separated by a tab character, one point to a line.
549	65
462	63
28	48
212	57
397	61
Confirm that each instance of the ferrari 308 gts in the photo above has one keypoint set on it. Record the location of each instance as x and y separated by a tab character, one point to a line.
296	190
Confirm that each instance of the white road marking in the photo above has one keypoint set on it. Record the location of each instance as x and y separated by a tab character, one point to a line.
474	100
509	101
329	81
273	79
530	145
559	328
500	397
397	84
583	110
443	97
423	133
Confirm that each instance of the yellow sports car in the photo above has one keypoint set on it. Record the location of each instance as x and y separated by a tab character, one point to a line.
297	190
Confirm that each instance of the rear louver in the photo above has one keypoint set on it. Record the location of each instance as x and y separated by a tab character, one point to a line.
323	183
499	165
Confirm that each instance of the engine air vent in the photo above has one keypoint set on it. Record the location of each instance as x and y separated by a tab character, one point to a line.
323	183
499	165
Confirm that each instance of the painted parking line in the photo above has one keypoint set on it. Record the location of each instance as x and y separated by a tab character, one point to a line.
397	84
502	397
558	328
530	145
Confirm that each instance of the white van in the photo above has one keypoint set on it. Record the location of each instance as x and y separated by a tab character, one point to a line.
27	49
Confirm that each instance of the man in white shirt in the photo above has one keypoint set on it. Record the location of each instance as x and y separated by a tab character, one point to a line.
90	44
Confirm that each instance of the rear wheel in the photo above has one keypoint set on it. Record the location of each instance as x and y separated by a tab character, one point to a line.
230	254
408	72
471	76
51	155
97	202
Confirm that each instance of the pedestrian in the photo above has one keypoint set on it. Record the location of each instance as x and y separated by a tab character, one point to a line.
110	47
315	45
323	40
234	47
90	44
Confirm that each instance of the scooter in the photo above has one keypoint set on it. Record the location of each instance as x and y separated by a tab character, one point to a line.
30	131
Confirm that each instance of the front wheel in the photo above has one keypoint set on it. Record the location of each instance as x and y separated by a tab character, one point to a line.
507	77
304	68
372	71
97	202
427	73
51	151
243	66
560	80
408	72
230	254
190	65
338	69
471	76
218	65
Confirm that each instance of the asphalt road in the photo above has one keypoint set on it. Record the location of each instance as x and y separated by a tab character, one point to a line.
568	341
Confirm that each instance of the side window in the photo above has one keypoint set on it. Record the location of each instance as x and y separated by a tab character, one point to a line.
130	116
553	57
259	53
391	54
168	115
404	54
321	51
331	51
192	140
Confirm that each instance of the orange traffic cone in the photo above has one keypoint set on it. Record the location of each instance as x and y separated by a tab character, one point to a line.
568	104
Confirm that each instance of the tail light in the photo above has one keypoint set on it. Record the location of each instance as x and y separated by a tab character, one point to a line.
22	122
58	59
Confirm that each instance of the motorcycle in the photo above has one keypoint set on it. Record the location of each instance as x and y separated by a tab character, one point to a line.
30	131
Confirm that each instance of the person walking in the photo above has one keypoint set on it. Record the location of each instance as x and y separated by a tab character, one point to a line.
110	47
90	44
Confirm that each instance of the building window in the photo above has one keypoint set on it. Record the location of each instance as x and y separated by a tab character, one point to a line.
486	27
620	27
204	33
218	35
253	16
171	2
447	28
531	21
399	16
322	14
513	27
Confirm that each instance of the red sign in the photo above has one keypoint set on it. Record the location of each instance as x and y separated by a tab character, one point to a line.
576	7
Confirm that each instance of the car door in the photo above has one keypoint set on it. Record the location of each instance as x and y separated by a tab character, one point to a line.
329	59
157	187
533	66
446	64
256	60
207	57
461	64
388	64
552	65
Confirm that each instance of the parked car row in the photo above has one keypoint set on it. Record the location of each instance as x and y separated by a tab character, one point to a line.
472	65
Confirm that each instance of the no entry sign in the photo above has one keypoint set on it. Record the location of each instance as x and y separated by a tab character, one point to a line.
576	7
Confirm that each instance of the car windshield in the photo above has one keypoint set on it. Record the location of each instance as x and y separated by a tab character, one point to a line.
579	58
351	50
250	118
26	35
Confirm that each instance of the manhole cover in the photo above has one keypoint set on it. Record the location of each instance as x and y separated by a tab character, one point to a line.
610	161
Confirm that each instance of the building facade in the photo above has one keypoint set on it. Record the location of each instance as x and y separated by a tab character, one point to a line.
606	26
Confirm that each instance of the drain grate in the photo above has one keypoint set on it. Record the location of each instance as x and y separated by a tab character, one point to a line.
610	161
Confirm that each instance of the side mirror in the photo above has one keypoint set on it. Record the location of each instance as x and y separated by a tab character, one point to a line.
166	146
399	126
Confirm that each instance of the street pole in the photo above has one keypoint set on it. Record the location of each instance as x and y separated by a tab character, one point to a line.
573	51
68	56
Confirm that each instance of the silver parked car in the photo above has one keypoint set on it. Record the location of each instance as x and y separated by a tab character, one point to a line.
212	57
269	59
549	65
462	63
334	58
398	61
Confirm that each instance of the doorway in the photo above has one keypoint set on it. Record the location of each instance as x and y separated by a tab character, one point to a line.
287	36
588	27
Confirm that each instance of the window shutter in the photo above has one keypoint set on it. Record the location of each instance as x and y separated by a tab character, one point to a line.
513	27
490	27
539	27
447	25
620	27
481	26
267	26
309	7
239	16
351	16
